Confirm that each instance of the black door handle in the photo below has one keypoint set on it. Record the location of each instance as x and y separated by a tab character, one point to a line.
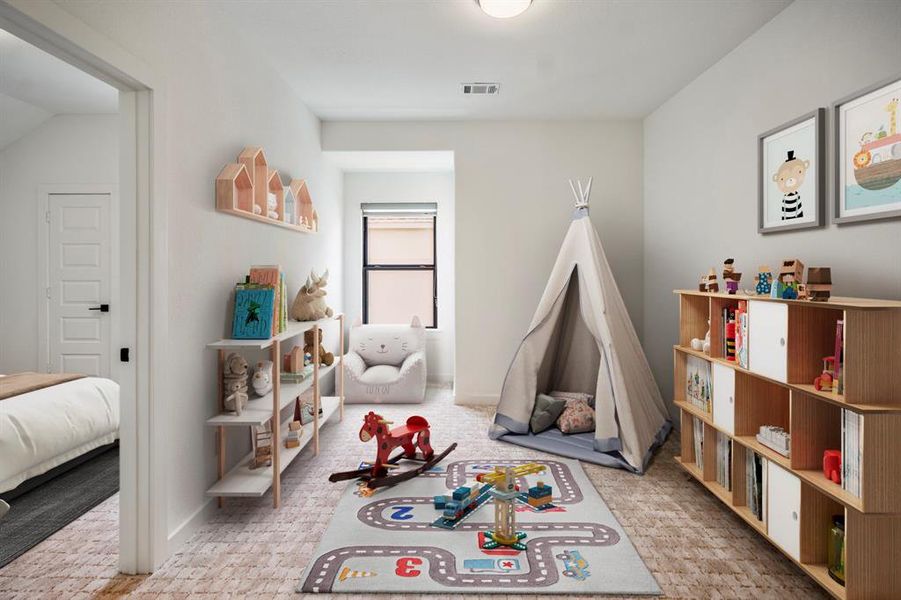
101	308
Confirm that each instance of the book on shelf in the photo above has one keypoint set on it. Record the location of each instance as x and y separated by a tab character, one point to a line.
698	426
755	484
698	383
253	312
724	460
852	450
271	276
839	385
741	334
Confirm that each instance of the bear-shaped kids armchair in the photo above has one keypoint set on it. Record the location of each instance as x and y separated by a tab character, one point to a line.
385	364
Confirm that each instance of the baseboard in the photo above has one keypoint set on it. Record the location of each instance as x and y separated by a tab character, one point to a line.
190	526
477	399
440	378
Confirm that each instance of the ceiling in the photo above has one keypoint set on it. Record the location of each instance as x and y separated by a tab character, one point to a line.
398	162
561	59
35	86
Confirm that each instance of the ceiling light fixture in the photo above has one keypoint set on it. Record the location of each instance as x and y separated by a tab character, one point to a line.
503	9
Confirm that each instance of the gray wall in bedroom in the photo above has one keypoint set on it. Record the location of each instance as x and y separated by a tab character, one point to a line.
700	162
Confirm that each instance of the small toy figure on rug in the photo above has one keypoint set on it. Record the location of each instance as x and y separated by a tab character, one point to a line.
309	304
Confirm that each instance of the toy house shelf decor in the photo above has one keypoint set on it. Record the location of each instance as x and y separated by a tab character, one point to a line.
249	189
274	412
840	454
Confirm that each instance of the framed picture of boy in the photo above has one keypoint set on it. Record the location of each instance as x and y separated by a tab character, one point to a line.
791	178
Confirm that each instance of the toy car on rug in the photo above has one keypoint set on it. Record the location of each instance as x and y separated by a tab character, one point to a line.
410	437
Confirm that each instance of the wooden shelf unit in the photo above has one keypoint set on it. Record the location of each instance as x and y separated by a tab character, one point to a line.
780	392
241	480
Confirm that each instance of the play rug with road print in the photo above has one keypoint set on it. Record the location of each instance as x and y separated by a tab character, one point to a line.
392	541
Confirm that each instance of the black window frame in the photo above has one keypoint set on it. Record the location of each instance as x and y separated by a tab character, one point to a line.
402	267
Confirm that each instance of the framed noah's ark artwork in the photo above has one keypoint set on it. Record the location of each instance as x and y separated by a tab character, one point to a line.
791	174
868	154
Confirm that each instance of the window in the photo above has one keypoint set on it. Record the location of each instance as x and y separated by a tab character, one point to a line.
399	267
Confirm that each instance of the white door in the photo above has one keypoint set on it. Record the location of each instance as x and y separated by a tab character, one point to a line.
768	338
784	509
724	398
79	270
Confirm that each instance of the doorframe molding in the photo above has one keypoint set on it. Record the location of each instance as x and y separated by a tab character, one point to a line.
43	304
143	500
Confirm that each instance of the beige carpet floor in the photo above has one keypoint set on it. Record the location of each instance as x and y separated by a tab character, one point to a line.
694	546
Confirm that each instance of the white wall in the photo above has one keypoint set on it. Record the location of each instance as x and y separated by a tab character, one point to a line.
405	187
53	153
220	98
513	207
701	162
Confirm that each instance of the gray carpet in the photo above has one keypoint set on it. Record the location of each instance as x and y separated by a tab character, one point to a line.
39	512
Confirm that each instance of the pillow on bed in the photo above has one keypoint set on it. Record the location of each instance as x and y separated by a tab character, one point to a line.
577	417
570	396
547	410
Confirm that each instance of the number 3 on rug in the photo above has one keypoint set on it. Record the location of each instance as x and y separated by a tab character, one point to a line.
402	513
405	566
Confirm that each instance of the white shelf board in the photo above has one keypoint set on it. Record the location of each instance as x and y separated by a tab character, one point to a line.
293	329
259	410
244	481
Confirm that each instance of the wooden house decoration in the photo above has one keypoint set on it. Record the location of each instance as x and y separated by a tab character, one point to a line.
253	158
275	196
304	202
234	189
294	360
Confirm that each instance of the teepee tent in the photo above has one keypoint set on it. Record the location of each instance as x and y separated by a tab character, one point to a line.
582	340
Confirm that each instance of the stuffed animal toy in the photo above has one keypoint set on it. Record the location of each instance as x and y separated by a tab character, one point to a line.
262	378
309	305
272	206
234	383
325	358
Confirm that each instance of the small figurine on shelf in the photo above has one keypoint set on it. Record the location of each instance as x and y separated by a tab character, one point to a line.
790	275
832	465
262	447
819	283
730	276
709	281
309	304
825	381
700	345
764	280
325	358
272	206
234	383
262	378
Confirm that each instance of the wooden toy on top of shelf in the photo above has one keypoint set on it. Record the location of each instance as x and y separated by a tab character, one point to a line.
275	196
708	282
410	436
254	160
730	277
790	275
325	358
234	189
832	465
234	383
309	304
763	280
304	202
819	283
262	378
825	382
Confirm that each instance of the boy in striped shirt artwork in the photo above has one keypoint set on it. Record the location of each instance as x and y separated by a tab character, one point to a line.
789	179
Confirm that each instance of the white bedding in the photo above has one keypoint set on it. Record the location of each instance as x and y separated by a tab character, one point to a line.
43	429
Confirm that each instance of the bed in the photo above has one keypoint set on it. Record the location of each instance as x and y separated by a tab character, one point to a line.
54	420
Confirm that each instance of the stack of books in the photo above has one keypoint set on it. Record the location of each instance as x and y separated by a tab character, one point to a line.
698	425
852	447
755	484
261	305
698	389
724	460
741	334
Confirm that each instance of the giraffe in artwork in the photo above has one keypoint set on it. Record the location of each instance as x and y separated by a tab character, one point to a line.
892	109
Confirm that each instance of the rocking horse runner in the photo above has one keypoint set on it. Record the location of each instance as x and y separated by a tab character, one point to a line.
409	437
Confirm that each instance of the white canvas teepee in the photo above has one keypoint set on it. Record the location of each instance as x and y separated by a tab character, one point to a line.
582	340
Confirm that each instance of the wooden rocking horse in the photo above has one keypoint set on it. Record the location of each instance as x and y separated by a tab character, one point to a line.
409	437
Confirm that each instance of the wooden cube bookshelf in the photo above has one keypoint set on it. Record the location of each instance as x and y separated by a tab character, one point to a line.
787	398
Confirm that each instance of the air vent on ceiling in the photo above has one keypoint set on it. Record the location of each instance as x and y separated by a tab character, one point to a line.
489	89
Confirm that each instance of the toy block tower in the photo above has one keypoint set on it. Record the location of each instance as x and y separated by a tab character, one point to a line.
540	495
504	532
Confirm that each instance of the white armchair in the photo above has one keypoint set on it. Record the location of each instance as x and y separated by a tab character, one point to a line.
385	364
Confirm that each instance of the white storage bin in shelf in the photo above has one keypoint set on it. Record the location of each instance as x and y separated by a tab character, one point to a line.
724	398
784	509
768	339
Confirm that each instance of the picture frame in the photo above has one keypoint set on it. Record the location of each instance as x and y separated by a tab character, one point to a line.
791	175
867	154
